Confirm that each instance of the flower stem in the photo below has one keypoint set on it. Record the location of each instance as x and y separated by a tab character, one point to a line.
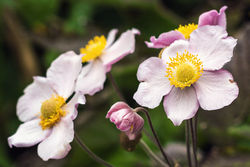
116	88
193	126
155	136
152	154
187	130
90	153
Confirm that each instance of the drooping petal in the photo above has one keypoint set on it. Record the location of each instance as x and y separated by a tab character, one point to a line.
180	104
71	106
28	134
178	46
212	46
111	37
155	84
57	146
216	89
164	40
212	17
63	73
122	47
91	78
29	104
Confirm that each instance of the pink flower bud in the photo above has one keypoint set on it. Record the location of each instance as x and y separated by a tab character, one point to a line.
126	119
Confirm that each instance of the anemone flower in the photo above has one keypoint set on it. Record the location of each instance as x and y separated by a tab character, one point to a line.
126	119
101	54
189	75
47	117
211	17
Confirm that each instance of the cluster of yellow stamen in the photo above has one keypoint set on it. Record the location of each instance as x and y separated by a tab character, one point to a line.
51	111
186	30
93	49
183	70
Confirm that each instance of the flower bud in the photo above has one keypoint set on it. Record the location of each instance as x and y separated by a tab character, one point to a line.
126	119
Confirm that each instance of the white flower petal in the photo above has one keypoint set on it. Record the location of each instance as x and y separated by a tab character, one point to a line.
63	73
91	78
178	46
57	146
180	104
123	46
212	45
216	89
111	37
29	104
154	84
28	134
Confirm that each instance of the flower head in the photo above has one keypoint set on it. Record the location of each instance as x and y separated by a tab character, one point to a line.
47	118
189	75
100	54
211	17
126	119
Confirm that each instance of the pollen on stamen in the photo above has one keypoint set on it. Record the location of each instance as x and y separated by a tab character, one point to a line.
184	70
186	30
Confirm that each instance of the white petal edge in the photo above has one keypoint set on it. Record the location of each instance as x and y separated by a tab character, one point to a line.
29	104
91	78
180	104
28	134
111	37
57	146
63	73
154	84
212	45
216	89
123	46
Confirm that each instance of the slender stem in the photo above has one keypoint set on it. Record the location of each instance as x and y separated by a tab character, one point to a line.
187	130
155	136
116	88
152	154
90	153
194	141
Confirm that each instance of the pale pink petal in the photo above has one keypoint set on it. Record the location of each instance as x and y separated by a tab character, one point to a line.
164	40
122	47
212	17
71	106
181	104
111	37
28	134
91	78
216	89
57	146
155	84
63	73
117	106
178	46
29	104
212	46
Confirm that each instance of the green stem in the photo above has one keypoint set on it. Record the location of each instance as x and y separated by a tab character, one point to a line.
187	130
115	86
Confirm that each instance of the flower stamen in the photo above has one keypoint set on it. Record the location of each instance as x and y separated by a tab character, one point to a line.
186	30
51	111
93	49
184	70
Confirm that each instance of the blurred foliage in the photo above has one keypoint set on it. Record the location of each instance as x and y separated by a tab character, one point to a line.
52	24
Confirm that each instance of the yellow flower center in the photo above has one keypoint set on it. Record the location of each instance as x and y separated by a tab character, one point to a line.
93	49
183	70
187	29
51	111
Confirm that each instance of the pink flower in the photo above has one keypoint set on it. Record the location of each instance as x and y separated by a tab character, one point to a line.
126	119
211	17
46	117
189	75
101	54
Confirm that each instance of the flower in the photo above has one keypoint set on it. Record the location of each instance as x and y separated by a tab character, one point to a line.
101	54
189	75
211	17
48	118
126	119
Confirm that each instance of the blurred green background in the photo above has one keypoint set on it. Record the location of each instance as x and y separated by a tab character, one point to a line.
33	33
